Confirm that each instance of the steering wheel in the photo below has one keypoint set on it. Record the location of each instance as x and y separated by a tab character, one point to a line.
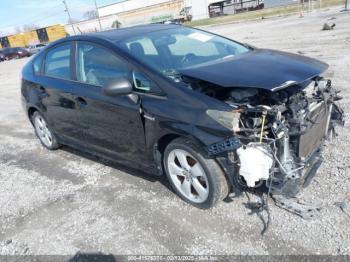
187	58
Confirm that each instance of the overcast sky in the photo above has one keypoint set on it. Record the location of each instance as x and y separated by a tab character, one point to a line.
16	13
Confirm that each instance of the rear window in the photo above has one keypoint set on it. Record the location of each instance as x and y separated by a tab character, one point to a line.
57	62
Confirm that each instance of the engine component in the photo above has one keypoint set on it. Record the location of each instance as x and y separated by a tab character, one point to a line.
280	133
318	119
255	163
243	95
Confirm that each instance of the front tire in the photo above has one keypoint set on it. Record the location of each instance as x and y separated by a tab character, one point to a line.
197	179
44	132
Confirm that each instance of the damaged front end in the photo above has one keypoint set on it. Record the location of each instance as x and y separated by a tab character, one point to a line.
277	136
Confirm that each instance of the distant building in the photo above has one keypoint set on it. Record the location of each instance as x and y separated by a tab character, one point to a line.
92	25
40	35
275	3
229	7
134	12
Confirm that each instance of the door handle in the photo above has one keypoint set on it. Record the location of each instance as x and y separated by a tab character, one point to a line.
42	91
80	102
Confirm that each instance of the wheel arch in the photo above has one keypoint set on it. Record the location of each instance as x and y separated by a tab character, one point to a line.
161	144
31	109
166	139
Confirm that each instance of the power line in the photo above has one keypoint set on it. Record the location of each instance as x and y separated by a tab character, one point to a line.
33	22
30	19
46	17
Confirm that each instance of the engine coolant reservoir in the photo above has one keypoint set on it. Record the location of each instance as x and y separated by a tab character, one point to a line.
256	163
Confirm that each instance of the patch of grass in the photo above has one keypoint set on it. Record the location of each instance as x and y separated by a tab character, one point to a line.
259	14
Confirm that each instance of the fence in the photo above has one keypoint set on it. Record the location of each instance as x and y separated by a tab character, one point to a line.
234	7
239	6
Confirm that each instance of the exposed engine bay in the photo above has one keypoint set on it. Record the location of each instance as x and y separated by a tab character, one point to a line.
278	135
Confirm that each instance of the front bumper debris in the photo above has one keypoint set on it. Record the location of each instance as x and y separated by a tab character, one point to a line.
296	206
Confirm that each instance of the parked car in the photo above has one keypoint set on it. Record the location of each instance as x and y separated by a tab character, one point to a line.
15	53
208	112
2	56
34	49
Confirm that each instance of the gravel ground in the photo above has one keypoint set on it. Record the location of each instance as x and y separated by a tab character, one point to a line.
65	201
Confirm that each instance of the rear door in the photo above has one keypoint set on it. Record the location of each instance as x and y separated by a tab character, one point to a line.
55	86
110	125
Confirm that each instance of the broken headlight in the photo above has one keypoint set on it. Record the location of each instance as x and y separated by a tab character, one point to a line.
228	119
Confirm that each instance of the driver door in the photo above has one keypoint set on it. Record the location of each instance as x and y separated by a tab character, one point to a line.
110	125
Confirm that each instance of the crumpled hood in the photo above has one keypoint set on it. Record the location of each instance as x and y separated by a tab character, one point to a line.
260	68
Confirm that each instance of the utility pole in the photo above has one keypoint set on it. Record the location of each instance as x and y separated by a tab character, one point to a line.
301	7
309	6
347	5
69	17
98	15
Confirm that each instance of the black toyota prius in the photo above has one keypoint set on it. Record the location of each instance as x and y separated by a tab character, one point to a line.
208	112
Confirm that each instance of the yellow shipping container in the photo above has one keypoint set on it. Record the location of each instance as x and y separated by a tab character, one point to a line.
55	32
16	40
31	38
4	42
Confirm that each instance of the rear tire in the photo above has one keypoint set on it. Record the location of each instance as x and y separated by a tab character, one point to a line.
196	179
44	132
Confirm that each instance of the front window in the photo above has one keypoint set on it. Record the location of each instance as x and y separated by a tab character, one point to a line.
97	66
174	49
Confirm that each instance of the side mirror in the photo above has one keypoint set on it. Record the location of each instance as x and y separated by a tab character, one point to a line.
117	87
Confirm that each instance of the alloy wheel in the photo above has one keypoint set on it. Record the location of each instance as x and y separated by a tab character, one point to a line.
43	131
188	176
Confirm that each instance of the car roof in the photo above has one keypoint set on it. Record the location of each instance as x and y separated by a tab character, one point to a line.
116	35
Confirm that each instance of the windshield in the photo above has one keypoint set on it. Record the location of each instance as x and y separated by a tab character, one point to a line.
171	50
